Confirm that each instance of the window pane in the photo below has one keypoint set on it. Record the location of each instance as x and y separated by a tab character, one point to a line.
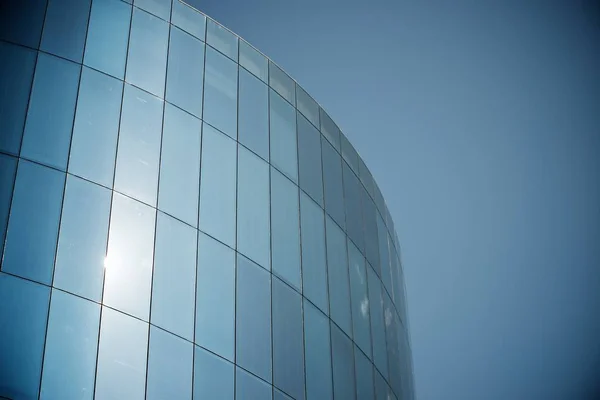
309	158
278	395
170	361
337	268
330	130
332	183
215	298
307	106
349	153
222	39
51	109
354	219
282	83
21	339
384	254
139	145
283	137
185	72
343	364
392	325
360	299
377	327
22	25
364	376
314	267
93	147
253	61
370	229
213	377
285	232
382	390
249	387
122	354
82	240
288	351
254	114
71	346
147	57
253	226
318	354
108	33
128	264
220	92
217	186
365	177
253	318
65	28
160	8
180	165
188	19
8	170
33	224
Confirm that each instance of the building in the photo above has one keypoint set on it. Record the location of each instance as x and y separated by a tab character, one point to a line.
179	218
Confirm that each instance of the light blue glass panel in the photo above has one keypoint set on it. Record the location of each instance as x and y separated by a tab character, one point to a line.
8	170
121	372
188	19
170	363
360	299
330	130
107	37
284	154
364	376
220	92
217	186
382	390
307	106
309	159
51	109
314	267
160	8
65	28
283	84
139	145
354	218
377	319
215	298
253	318
285	230
332	183
33	224
392	325
222	39
16	75
213	376
23	313
180	165
173	287
82	240
22	25
185	72
248	387
94	143
366	178
253	226
318	354
349	153
253	130
384	254
253	61
278	395
128	264
343	364
337	268
71	346
370	230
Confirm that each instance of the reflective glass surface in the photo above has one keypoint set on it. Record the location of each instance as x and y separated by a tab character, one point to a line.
282	83
222	39
352	201
317	351
22	25
249	387
377	322
364	376
333	184
160	8
213	376
309	159
220	92
188	19
360	299
337	268
253	116
8	170
65	27
307	106
254	62
343	364
330	130
283	150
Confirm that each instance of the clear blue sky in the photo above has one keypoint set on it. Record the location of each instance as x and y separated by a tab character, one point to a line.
480	120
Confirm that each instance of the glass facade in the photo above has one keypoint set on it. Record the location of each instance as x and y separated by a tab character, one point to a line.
179	219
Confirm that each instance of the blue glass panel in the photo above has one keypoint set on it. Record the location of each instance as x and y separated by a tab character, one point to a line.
33	224
382	390
108	33
377	326
8	170
370	230
248	387
354	219
360	299
222	39
337	268
180	165
349	154
253	318
122	352
188	19
332	183
213	377
283	84
254	114
22	24
288	345
330	130
94	143
285	230
217	186
49	122
366	178
278	395
147	55
309	159
392	325
71	346
253	226
65	28
185	72
384	254
364	376
173	287
215	298
170	362
284	154
314	267
16	75
128	264
254	62
82	239
307	106
343	364
220	92
160	8
139	145
318	354
21	339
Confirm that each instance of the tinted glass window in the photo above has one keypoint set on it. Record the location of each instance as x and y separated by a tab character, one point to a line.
365	177
349	154
364	376
8	170
307	106
188	19
253	61
215	298
217	186
71	346
332	183
33	224
213	376
220	92
22	25
21	339
318	354
337	268
283	136
392	326
354	219
330	130
377	326
51	109
384	254
382	390
278	395
222	39
160	8
283	84
65	28
343	364
180	165
309	158
248	387
254	114
370	229
360	299
82	241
